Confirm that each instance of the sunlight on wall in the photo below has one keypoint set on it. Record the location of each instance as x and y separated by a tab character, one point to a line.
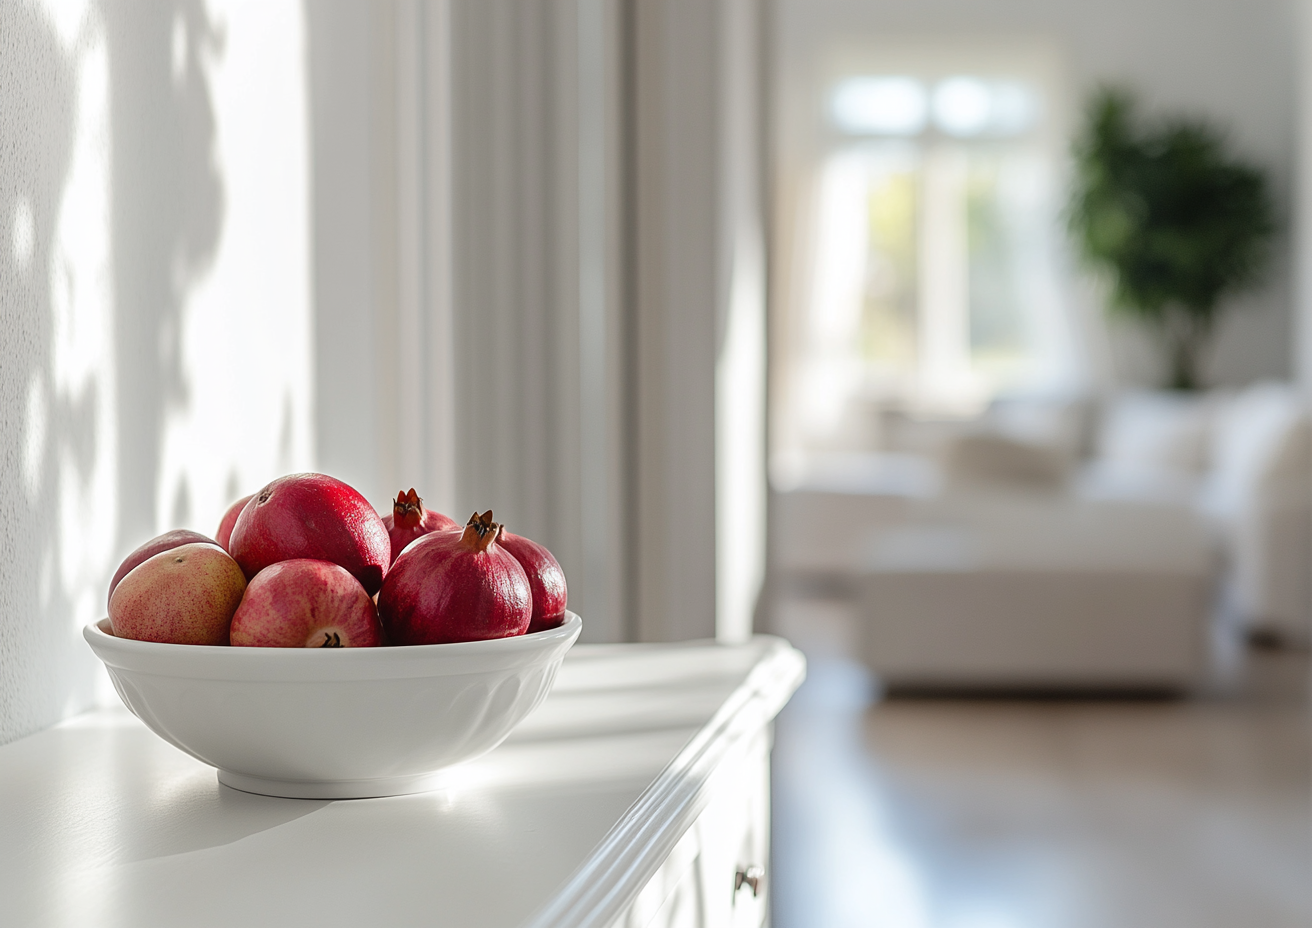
24	233
82	365
154	282
740	442
246	330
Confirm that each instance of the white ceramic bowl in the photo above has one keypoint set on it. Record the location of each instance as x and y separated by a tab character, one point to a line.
334	723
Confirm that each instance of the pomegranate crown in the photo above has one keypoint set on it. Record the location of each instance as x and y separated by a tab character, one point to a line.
481	532
408	508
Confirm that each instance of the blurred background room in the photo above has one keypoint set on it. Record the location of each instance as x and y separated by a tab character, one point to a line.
1040	463
966	345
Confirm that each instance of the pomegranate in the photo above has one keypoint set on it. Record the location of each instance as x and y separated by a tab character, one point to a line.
410	520
185	595
229	520
312	516
545	579
157	544
456	587
304	603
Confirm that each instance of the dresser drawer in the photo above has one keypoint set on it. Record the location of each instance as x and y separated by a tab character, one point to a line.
714	877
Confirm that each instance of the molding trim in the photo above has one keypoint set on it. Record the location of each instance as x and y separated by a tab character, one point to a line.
696	264
535	316
600	891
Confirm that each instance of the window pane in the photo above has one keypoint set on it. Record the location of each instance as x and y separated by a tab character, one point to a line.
886	105
888	332
997	317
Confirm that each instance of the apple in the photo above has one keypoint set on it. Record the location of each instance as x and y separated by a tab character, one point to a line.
185	595
160	543
306	603
224	535
312	516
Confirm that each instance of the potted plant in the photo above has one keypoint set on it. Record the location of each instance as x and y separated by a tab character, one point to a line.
1175	221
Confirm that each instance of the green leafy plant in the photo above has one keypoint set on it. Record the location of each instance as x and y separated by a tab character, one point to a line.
1175	221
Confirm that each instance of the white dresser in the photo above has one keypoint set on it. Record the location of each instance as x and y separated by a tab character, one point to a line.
636	797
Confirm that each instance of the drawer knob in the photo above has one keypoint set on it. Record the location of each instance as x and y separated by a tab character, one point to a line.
750	877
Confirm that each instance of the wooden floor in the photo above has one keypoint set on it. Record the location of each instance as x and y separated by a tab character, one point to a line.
1051	813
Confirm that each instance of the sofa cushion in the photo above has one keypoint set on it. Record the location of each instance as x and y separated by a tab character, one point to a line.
1158	431
989	461
1261	446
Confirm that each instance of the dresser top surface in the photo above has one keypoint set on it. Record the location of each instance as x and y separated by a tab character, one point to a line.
103	823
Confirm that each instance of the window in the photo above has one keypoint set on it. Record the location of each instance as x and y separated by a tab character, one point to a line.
931	265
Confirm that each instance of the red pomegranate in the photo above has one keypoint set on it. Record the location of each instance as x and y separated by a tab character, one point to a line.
545	579
312	516
165	542
456	587
409	520
229	520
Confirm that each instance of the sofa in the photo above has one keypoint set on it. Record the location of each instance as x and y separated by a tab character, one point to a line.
1060	543
1240	459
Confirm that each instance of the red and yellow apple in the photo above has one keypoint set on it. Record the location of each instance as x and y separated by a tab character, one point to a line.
184	595
157	544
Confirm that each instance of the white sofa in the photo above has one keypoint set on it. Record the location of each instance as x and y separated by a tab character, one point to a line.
1007	561
1243	461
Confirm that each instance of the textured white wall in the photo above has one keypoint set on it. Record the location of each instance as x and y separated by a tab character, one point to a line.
353	145
155	331
1231	61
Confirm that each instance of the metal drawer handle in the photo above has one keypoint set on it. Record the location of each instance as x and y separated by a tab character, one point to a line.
751	877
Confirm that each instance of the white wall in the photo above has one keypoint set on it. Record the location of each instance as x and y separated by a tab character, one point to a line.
698	318
1231	61
155	324
352	219
377	74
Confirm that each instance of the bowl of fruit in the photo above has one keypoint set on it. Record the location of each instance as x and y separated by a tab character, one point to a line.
316	650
